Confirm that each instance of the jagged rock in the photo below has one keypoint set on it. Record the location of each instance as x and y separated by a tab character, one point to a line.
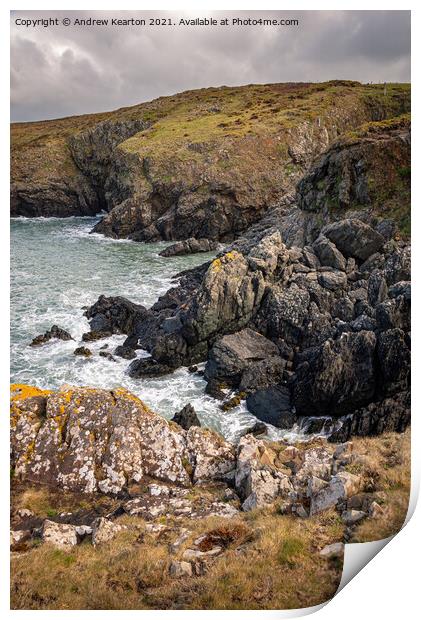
284	313
399	289
256	481
332	280
390	414
377	288
335	550
328	254
340	487
272	405
187	417
114	314
104	530
180	569
336	377
83	351
148	367
60	535
95	335
211	456
92	439
126	353
234	354
189	246
55	332
259	428
267	253
354	238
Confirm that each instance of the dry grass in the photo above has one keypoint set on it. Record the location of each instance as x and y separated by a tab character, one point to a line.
387	469
270	561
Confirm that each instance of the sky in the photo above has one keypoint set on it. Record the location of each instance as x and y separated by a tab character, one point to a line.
60	71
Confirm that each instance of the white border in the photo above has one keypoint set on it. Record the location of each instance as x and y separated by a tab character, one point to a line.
379	601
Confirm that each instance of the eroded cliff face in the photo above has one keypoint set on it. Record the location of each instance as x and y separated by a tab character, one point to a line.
205	163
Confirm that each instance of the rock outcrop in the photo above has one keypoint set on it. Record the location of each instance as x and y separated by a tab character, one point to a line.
205	164
97	441
189	246
88	440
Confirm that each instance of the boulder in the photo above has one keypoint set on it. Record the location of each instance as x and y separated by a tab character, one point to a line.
257	481
87	439
234	354
352	517
335	550
328	254
115	315
340	487
332	280
126	353
104	530
189	246
212	457
187	417
354	238
60	535
55	332
272	405
83	351
180	569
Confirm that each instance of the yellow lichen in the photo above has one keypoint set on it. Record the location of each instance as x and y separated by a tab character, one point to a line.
21	391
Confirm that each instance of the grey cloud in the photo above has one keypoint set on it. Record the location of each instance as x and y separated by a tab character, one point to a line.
64	71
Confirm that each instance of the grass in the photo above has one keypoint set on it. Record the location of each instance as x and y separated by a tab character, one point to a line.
270	560
235	120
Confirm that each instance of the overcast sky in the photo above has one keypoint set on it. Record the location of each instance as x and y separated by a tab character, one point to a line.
60	71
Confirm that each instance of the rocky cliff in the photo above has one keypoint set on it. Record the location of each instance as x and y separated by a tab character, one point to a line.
204	163
306	315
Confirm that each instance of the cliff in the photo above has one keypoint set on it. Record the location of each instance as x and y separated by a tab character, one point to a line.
205	163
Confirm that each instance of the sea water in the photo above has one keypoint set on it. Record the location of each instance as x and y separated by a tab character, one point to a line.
57	269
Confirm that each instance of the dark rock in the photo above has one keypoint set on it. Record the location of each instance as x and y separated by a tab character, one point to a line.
377	288
107	356
54	332
343	309
187	417
233	354
337	377
272	405
354	238
95	335
262	374
400	289
126	353
215	389
394	359
387	228
189	246
328	254
84	351
393	414
332	280
193	369
116	315
259	428
148	367
393	313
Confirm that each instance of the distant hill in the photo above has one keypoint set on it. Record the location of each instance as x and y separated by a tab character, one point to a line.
203	163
